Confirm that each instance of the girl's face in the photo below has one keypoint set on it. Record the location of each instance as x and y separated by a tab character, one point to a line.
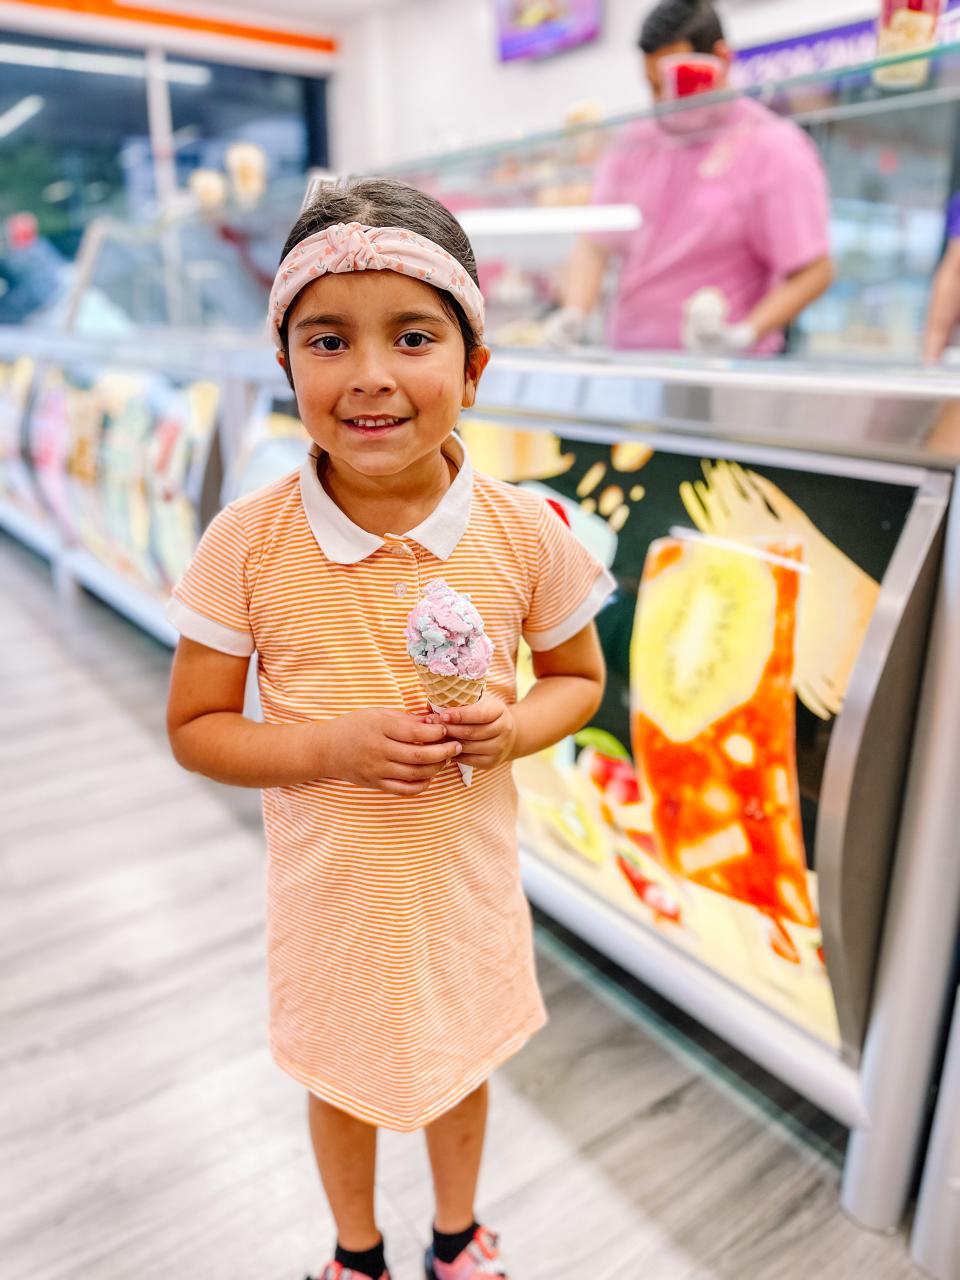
378	366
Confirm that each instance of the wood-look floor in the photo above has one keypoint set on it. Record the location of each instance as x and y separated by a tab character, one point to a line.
144	1131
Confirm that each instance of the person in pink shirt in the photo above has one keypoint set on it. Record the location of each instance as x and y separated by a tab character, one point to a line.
734	236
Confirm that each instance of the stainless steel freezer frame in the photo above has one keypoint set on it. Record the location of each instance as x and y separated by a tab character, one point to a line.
935	1239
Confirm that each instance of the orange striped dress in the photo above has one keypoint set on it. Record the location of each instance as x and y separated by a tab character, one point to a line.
399	941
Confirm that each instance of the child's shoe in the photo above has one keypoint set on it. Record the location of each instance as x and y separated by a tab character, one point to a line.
481	1257
337	1271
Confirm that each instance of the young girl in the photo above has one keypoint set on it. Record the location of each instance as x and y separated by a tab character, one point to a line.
400	948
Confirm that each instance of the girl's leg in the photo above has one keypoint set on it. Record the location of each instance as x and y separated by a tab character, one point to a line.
455	1145
346	1153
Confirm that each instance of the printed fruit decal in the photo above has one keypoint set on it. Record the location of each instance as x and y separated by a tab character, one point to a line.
606	763
713	722
703	635
662	903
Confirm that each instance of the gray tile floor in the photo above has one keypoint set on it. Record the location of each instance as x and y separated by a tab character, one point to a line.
144	1131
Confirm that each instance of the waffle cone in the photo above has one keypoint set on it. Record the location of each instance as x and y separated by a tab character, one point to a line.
449	691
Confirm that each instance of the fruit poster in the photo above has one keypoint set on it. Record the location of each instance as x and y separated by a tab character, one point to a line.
744	594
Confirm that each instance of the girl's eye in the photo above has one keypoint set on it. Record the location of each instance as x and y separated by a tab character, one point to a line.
414	341
328	342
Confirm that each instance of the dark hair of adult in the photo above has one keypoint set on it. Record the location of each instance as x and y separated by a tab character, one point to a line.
384	202
693	22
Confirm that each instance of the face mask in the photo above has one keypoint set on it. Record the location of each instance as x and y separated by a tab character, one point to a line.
686	75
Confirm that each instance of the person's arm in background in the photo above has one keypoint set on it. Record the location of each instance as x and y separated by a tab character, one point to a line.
585	270
585	275
785	301
944	310
587	265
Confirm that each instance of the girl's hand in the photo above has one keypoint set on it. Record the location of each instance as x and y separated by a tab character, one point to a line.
389	750
486	729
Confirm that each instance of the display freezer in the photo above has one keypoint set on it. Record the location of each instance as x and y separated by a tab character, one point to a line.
755	822
740	824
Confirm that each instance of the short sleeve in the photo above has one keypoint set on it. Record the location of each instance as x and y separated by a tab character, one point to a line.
210	603
789	217
570	585
953	218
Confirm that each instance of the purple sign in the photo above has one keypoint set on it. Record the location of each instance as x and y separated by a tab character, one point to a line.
537	28
818	51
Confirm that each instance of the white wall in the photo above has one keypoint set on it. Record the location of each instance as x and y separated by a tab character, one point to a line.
756	21
423	77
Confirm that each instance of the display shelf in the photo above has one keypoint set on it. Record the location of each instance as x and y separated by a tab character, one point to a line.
888	155
80	567
41	538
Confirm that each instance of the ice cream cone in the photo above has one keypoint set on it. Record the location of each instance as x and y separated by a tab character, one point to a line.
446	640
444	692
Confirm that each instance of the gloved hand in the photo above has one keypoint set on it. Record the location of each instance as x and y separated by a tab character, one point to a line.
720	340
563	328
705	326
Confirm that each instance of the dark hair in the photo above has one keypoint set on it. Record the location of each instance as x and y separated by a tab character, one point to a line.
674	21
384	202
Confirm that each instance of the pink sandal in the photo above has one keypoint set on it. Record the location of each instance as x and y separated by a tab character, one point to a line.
480	1258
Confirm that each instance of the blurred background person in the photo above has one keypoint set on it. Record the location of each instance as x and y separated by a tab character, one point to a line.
734	238
944	311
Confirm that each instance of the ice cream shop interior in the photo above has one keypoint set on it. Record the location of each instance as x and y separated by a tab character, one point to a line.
480	619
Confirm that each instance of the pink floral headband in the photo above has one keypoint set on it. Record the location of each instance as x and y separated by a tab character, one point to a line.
351	246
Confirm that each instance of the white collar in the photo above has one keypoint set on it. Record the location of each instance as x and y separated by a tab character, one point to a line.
344	542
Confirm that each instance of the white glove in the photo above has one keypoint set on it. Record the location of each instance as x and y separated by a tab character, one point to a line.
723	340
705	327
563	328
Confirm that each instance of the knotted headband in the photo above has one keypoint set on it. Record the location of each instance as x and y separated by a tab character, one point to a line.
351	246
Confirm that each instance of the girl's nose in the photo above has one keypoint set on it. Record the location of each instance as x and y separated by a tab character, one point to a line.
371	377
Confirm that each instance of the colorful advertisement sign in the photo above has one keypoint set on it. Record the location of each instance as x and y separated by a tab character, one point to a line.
538	28
690	802
834	48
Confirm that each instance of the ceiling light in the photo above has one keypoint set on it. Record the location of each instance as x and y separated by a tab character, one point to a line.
551	219
101	64
20	113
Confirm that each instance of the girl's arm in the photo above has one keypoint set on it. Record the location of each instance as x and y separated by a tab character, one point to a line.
944	309
377	747
570	681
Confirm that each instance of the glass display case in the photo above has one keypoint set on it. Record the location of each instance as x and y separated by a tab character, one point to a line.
889	156
133	404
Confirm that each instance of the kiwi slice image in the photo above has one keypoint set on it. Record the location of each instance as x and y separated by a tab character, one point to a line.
702	636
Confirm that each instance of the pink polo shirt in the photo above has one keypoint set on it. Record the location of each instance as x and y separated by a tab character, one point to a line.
739	210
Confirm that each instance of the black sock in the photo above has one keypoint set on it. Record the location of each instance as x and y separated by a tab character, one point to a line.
369	1263
448	1248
